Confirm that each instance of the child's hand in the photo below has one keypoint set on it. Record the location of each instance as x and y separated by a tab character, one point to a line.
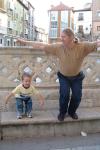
41	103
41	100
8	97
6	100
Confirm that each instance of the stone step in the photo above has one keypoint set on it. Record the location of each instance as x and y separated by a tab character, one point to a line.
45	124
91	98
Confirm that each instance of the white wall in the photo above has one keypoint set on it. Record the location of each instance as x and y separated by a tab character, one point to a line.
86	22
3	23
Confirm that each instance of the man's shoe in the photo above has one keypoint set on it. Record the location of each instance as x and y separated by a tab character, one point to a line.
61	117
74	116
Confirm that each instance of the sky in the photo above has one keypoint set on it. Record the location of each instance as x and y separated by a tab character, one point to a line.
42	7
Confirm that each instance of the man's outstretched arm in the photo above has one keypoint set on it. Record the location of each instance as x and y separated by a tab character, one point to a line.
34	44
98	43
48	48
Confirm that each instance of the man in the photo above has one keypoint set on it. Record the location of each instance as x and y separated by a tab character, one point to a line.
71	54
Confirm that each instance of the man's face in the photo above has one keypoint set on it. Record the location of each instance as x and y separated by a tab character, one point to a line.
66	39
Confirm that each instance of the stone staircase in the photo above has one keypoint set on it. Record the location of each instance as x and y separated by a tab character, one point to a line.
44	122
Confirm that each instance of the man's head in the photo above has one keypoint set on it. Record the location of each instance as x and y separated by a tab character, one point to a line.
26	80
67	36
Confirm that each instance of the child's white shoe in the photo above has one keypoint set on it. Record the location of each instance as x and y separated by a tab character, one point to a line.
19	116
29	115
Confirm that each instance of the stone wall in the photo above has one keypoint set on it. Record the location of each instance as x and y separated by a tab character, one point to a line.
13	61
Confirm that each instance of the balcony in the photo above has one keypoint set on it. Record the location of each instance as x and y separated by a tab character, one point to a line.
26	31
26	17
10	24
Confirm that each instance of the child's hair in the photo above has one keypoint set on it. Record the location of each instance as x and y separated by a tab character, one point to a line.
26	75
69	32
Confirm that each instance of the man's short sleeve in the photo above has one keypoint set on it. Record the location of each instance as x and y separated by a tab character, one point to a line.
89	47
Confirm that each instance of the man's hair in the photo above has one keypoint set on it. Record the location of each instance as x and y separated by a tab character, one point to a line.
26	75
69	32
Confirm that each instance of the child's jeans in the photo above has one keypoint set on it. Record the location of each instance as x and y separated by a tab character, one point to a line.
24	101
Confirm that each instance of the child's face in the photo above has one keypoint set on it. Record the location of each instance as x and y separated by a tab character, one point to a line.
26	82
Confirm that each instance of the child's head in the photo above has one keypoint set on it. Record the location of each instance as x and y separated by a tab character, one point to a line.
26	80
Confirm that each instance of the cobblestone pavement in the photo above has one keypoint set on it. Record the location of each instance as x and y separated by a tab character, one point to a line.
91	142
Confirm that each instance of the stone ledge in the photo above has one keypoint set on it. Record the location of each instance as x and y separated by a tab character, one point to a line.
41	117
45	123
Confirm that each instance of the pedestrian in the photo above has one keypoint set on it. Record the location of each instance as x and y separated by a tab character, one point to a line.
71	54
23	94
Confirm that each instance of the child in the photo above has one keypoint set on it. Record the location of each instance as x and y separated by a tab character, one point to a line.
23	93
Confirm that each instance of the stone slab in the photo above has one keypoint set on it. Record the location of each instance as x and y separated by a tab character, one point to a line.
45	124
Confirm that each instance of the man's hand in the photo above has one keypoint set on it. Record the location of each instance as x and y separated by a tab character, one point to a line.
98	43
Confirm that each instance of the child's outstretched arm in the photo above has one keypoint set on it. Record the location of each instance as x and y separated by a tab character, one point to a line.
8	97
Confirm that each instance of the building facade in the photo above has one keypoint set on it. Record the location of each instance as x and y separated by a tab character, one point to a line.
3	25
20	20
96	18
83	21
17	11
3	21
60	17
31	28
40	35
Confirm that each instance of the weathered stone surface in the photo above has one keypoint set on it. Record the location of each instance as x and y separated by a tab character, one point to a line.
91	98
14	60
45	123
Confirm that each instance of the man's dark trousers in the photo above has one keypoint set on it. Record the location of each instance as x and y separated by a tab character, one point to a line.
69	104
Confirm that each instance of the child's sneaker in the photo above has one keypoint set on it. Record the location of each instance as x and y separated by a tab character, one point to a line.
19	116
29	115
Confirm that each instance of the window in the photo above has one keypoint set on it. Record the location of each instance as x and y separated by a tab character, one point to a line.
16	15
80	29
8	4
86	28
98	13
53	33
0	41
54	16
98	28
8	43
14	43
64	25
54	24
64	19
81	17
